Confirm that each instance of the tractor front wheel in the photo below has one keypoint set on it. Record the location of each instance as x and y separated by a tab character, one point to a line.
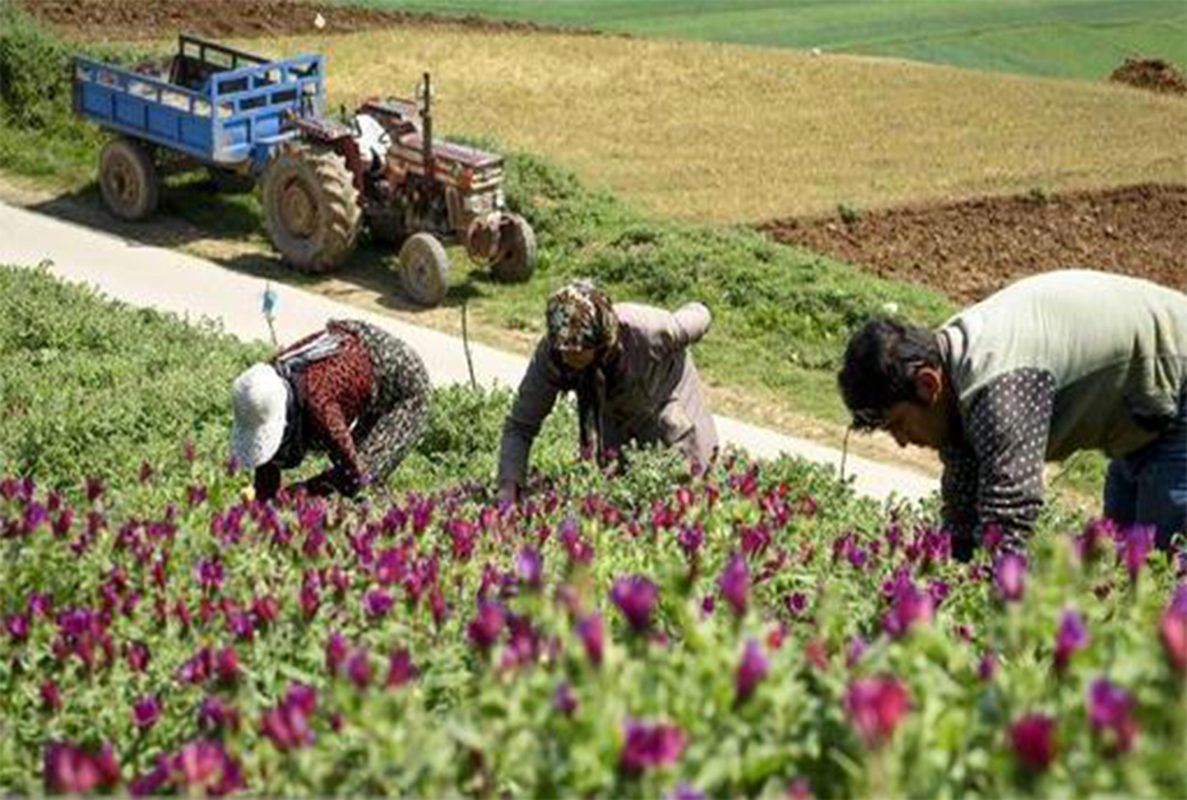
311	207
516	259
424	269
128	180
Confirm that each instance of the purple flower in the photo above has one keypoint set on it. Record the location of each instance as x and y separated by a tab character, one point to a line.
1033	740
911	607
376	603
987	667
226	665
51	697
1172	631
1111	710
1009	575
636	598
876	706
1097	532
486	626
209	573
1135	548
358	668
684	791
146	711
214	715
751	670
71	770
690	538
735	584
797	603
1072	637
17	626
400	669
647	746
531	567
564	699
589	630
335	652
287	724
857	649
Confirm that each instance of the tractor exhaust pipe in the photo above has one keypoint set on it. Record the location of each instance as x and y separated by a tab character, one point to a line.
426	116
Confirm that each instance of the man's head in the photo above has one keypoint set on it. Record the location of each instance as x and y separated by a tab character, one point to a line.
893	380
582	325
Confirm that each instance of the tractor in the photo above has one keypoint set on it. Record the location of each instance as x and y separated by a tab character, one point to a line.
248	118
383	169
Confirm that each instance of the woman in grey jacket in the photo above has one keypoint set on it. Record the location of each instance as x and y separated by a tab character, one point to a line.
632	372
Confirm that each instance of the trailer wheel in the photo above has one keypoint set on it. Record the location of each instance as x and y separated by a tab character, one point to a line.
128	180
424	269
516	260
311	208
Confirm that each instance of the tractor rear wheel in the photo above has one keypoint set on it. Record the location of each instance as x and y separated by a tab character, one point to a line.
424	269
128	179
516	259
311	207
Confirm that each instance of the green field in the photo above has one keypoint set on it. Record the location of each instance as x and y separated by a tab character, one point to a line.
1065	38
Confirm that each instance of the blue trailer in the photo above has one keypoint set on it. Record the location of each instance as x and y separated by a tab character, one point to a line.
209	104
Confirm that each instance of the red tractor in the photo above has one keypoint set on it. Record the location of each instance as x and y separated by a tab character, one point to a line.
384	169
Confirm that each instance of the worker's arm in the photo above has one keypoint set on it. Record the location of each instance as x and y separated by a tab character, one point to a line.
267	482
534	401
1008	426
673	331
348	473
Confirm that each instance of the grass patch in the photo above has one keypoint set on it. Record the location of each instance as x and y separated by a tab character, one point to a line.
1077	39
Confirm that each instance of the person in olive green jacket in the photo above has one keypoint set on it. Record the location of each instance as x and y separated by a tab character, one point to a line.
1055	363
633	374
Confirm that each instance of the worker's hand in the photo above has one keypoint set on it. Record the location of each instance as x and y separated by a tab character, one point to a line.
508	492
247	494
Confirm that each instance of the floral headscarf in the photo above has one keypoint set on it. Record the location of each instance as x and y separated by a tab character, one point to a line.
581	317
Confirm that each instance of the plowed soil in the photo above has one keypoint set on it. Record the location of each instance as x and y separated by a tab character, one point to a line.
126	20
972	248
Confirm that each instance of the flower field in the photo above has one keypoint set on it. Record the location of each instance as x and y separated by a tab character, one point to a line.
755	631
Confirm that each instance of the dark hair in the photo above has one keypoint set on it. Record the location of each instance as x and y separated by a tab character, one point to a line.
879	368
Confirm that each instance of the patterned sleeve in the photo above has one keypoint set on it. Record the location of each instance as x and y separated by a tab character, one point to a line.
1007	428
958	491
326	415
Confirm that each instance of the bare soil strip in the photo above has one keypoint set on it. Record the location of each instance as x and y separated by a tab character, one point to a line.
970	249
130	20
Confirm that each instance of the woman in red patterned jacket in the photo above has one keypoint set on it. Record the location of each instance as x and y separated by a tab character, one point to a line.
352	391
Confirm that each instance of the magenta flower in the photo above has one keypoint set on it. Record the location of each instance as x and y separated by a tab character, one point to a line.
648	746
1071	638
335	652
287	724
564	699
51	697
358	668
226	665
1134	548
146	711
486	626
209	574
71	770
876	706
987	667
1009	575
1097	533
855	652
1172	631
735	584
377	602
590	631
690	538
531	567
910	607
752	669
636	598
214	715
1033	740
1110	708
797	603
17	626
200	767
400	669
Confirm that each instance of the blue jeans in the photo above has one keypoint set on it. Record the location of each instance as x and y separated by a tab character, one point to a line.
1149	486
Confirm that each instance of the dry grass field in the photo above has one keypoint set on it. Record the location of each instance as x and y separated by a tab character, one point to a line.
739	134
